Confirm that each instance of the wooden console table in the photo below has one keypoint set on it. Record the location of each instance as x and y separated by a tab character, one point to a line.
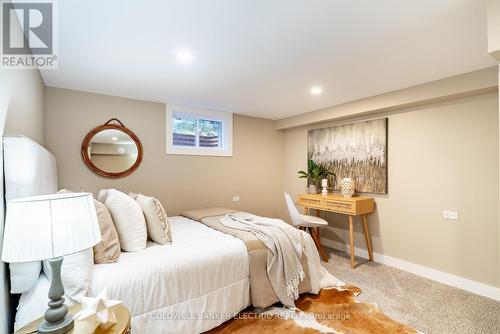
350	206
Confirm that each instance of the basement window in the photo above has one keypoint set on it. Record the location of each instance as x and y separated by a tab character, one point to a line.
194	131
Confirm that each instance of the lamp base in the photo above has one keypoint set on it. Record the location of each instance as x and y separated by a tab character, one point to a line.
56	328
57	320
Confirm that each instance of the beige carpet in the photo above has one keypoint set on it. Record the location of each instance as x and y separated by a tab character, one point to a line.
426	305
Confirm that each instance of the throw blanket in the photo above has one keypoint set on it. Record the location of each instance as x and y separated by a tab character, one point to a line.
285	246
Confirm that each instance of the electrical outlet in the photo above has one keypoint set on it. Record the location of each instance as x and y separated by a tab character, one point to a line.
450	215
236	198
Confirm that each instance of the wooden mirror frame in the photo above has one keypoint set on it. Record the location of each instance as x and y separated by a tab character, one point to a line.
109	126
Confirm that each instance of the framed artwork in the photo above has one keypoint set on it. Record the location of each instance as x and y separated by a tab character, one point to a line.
356	150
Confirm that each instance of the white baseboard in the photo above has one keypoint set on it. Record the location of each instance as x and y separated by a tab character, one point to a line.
433	274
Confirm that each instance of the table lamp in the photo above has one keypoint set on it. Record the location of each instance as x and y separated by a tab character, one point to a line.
50	227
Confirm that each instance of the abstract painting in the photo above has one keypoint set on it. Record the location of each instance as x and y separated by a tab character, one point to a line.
356	150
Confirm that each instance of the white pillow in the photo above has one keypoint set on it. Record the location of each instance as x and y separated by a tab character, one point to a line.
76	274
24	275
33	303
128	218
156	218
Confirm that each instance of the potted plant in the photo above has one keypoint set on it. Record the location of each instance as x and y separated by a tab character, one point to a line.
315	173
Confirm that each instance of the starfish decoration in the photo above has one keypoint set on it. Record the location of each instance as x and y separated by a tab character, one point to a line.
96	311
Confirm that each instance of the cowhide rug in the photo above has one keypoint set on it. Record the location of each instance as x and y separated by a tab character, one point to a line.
331	311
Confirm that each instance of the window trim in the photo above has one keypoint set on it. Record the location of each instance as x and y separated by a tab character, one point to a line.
227	131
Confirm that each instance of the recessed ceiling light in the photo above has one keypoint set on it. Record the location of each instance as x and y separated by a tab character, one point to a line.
316	90
184	56
114	138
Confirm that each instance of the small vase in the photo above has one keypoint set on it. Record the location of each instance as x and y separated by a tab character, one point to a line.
347	187
324	185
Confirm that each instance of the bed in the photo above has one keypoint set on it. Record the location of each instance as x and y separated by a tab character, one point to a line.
203	272
261	288
202	279
191	286
202	276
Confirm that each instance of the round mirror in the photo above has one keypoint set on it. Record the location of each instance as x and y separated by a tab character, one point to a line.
112	150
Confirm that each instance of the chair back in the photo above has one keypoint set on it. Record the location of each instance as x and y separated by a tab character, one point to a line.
292	210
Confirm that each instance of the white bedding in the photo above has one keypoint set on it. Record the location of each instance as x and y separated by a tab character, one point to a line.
203	270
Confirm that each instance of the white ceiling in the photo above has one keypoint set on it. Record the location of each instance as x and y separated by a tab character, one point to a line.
260	57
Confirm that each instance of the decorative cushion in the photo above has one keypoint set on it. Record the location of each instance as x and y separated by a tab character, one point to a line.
108	250
156	218
76	274
128	218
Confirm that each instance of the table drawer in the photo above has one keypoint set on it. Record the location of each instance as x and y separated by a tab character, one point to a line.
306	201
353	206
340	206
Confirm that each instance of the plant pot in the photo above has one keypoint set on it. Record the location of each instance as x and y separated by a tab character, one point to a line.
312	189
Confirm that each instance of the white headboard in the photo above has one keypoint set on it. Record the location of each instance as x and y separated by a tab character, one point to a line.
29	169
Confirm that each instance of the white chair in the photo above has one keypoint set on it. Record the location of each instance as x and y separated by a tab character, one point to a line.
306	222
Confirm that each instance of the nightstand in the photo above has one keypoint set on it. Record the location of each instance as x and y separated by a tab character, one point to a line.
121	327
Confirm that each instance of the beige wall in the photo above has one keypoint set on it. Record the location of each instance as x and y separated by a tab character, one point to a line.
24	93
22	111
493	15
180	182
4	279
493	19
440	157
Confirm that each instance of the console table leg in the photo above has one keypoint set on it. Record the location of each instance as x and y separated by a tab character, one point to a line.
367	237
351	239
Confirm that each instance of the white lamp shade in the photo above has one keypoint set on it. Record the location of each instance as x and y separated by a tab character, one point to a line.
49	226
